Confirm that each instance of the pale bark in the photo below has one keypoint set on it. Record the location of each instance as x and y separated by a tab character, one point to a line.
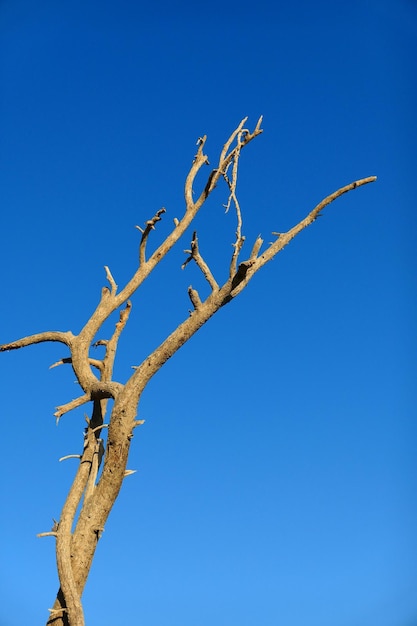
97	490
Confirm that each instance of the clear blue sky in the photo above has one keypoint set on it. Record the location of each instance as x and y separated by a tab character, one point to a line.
277	471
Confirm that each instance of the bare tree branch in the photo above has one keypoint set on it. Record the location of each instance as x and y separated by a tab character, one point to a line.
231	288
69	406
150	225
103	463
237	246
284	238
94	362
51	335
196	256
111	281
256	248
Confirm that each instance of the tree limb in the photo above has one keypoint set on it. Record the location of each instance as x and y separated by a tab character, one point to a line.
285	238
51	335
150	225
75	550
196	256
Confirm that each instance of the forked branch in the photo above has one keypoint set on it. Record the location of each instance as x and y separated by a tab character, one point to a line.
194	255
96	488
255	262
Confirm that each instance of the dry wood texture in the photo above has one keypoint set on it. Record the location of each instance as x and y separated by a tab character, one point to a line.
102	461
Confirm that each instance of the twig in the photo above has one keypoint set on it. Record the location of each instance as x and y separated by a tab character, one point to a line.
150	225
61	362
100	342
93	430
256	248
200	159
69	406
52	532
111	344
54	612
196	256
111	280
94	362
237	246
229	142
52	335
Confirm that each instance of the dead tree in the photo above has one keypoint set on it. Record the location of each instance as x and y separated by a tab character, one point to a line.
103	458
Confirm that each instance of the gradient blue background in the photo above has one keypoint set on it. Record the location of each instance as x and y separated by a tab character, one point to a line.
277	477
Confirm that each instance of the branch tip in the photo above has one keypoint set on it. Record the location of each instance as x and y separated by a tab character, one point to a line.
150	225
194	297
111	280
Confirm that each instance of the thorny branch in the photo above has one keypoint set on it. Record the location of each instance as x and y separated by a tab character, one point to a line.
96	492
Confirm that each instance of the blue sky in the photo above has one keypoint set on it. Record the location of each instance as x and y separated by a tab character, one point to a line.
276	469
